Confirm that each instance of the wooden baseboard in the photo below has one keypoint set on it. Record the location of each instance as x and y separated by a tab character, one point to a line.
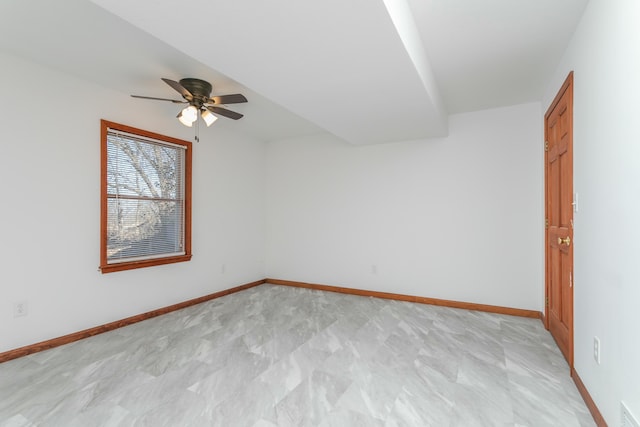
76	336
422	300
595	412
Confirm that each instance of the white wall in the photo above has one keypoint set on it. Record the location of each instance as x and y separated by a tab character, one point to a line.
457	218
50	174
604	54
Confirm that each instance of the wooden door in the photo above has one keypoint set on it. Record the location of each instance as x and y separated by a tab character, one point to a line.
559	219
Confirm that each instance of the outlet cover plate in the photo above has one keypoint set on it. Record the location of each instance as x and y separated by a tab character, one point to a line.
20	309
596	349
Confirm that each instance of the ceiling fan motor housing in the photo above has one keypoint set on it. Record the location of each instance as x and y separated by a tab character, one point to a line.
200	89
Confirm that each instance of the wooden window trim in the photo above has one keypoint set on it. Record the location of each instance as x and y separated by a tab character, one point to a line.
109	268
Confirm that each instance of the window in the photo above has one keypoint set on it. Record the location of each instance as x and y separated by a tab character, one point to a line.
145	215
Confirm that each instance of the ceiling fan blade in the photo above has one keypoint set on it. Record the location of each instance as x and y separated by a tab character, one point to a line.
159	99
224	112
179	88
235	98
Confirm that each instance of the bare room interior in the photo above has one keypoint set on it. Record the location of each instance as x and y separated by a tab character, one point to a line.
372	234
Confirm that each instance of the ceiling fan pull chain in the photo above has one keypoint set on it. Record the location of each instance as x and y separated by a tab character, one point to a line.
197	137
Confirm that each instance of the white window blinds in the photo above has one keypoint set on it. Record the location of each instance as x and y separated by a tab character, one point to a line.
145	198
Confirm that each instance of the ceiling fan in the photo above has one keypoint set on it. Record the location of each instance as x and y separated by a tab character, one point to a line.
197	93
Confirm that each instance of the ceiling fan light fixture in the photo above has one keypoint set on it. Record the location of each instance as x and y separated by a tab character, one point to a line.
188	115
183	120
208	117
196	94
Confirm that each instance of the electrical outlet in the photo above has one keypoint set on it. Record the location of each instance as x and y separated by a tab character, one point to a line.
223	268
596	349
374	269
20	309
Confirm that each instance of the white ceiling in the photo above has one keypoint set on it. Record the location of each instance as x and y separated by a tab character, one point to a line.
368	71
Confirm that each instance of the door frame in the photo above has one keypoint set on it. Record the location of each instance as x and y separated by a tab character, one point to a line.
566	86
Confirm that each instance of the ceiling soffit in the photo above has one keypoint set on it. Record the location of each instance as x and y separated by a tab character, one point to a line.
344	66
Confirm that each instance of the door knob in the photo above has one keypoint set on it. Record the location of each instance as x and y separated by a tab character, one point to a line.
566	240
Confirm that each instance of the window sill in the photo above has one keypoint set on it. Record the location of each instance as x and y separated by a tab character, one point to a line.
110	268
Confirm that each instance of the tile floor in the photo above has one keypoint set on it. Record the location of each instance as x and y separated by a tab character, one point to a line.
281	356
